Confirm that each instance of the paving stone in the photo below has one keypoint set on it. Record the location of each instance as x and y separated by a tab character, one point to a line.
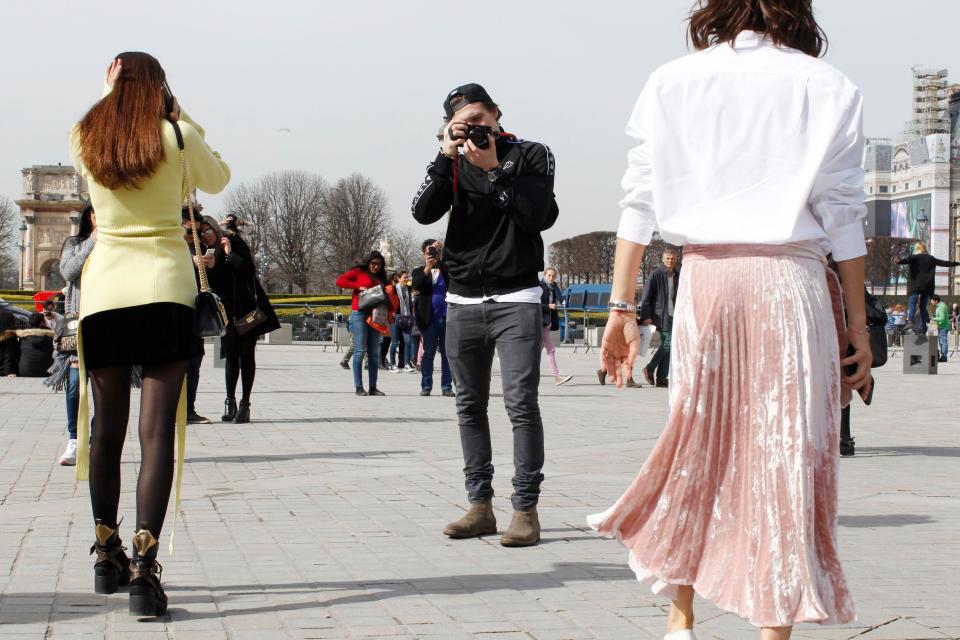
322	518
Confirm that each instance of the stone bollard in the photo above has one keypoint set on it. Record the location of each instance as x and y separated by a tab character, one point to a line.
283	335
920	356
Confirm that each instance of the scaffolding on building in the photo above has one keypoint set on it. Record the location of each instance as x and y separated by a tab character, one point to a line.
930	102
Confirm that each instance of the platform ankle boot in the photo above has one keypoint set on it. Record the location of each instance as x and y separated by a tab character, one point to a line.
147	598
112	568
229	410
243	413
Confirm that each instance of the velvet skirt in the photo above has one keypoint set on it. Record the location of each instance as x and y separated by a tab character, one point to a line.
739	496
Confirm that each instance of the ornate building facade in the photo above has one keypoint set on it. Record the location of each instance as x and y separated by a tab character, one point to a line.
53	196
913	180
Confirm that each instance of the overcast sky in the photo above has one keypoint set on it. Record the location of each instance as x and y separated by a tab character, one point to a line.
359	84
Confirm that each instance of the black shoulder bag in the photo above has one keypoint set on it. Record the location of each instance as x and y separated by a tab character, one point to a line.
210	318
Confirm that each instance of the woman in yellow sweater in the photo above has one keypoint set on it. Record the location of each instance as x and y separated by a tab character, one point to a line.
137	307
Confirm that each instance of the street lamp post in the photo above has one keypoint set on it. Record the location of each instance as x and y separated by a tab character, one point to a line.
22	246
923	224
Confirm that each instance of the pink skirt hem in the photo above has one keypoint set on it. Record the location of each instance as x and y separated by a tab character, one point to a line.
660	586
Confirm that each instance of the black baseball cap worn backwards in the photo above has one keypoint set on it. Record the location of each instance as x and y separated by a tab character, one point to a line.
471	93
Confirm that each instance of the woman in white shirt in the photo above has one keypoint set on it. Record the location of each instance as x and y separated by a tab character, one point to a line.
748	153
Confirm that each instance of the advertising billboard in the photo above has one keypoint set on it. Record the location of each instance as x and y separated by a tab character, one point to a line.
904	214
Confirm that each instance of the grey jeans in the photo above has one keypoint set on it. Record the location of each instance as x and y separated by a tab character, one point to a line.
515	331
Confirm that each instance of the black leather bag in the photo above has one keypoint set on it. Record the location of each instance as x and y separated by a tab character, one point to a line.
371	298
876	329
210	318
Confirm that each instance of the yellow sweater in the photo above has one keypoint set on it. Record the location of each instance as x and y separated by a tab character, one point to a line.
140	256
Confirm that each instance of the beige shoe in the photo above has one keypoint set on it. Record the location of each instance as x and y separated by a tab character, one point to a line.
478	521
561	379
524	529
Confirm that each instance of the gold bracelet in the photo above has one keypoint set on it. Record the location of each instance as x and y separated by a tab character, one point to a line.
859	332
446	155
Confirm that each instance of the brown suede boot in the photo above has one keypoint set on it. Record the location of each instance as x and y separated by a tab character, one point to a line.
524	529
478	521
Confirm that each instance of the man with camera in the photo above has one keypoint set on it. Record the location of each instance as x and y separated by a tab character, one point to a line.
430	314
499	193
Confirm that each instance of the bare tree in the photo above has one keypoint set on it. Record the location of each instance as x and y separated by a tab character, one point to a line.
9	219
405	247
287	210
355	219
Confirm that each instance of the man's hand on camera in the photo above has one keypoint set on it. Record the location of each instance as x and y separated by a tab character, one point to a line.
451	146
430	263
486	159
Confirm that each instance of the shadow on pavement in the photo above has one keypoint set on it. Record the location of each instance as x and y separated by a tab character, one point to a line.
885	520
373	590
356	419
285	457
936	452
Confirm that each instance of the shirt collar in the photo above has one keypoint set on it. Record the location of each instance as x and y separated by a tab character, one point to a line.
750	40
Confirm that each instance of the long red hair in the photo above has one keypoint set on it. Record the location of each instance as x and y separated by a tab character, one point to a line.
120	135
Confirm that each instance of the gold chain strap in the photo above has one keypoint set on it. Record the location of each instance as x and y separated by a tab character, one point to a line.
201	267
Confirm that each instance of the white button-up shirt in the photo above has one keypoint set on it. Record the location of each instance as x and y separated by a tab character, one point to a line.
750	143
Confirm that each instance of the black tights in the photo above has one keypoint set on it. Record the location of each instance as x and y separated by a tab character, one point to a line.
241	364
162	384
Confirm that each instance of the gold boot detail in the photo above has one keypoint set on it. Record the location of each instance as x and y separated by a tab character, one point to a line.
104	533
143	540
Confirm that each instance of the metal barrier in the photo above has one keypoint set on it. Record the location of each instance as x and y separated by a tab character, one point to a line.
326	328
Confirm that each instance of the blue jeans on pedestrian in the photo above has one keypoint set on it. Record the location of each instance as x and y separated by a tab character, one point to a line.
365	339
73	400
435	337
924	300
944	347
405	355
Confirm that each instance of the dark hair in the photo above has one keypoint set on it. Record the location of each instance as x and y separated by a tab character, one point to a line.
374	255
230	223
426	243
37	321
86	222
935	297
120	135
788	23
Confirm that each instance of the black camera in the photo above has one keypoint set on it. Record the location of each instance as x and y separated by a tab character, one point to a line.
479	134
433	253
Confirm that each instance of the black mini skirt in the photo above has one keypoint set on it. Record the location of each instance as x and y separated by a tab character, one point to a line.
146	334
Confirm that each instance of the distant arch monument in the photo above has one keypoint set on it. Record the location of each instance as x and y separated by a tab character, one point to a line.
53	196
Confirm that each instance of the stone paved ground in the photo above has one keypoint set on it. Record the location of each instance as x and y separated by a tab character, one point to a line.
322	518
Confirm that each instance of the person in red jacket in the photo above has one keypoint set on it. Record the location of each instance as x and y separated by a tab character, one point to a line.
366	275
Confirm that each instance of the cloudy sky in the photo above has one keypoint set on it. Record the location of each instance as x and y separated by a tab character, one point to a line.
357	85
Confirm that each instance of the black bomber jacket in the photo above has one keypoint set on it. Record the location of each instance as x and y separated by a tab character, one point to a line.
493	244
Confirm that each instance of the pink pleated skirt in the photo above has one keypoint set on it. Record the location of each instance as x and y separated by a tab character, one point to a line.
739	496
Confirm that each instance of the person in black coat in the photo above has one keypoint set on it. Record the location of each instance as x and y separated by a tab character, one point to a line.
430	313
656	307
9	346
922	283
233	277
36	348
